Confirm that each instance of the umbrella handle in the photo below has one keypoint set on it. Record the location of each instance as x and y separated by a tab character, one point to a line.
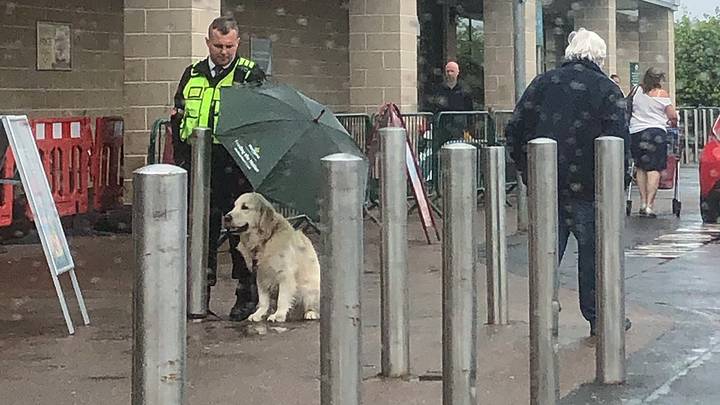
316	120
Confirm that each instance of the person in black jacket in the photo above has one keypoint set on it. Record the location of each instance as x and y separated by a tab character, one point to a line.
451	95
197	103
573	105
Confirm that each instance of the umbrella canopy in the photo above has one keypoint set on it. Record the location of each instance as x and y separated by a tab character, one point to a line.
277	136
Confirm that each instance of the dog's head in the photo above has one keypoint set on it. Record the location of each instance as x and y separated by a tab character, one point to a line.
251	212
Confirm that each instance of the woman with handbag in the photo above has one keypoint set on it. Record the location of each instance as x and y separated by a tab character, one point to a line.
652	112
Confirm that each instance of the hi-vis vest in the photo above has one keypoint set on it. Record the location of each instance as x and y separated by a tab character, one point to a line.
201	99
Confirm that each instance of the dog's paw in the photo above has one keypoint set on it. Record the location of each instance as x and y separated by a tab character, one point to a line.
311	315
277	317
256	317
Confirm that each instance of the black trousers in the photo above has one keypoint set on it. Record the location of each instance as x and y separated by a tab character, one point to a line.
227	183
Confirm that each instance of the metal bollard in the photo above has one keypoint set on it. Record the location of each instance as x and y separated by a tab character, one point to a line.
522	205
495	243
394	305
610	259
519	76
159	307
199	223
543	245
459	336
342	266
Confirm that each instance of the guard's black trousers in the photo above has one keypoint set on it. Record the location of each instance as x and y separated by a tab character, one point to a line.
227	183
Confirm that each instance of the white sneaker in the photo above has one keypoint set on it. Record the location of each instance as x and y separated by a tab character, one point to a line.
650	213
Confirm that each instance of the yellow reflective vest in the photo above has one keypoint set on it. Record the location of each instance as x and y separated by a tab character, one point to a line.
202	100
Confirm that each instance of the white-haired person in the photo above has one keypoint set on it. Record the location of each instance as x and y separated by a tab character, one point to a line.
652	113
573	104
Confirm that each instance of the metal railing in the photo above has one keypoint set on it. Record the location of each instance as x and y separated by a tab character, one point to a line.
358	126
695	125
156	145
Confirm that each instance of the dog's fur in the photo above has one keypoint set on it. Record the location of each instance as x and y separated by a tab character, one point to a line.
284	258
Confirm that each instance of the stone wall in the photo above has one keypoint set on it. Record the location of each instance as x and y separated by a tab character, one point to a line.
657	42
162	37
309	44
383	54
628	43
600	16
93	86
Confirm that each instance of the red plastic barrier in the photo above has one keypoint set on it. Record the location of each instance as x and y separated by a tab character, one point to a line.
107	164
65	146
6	190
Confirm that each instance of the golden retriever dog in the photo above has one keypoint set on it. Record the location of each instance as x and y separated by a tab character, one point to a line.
284	258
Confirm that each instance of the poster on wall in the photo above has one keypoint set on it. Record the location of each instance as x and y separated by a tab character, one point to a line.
54	44
261	53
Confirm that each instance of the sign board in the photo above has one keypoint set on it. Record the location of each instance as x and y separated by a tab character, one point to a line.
634	74
261	53
16	131
54	46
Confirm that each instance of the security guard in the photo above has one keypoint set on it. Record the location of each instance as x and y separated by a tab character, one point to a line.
197	104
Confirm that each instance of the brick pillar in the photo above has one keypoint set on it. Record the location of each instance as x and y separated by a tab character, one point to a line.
499	51
383	54
530	41
162	37
657	42
600	16
628	50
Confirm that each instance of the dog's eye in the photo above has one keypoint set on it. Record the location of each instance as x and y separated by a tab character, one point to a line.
243	207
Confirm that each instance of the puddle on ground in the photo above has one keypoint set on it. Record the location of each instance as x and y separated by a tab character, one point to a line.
249	329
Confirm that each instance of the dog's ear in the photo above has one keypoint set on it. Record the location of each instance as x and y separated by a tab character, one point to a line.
267	216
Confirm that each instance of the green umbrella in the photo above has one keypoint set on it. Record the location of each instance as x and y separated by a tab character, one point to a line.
277	136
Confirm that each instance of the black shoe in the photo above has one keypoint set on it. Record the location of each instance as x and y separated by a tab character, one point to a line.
241	310
593	332
246	302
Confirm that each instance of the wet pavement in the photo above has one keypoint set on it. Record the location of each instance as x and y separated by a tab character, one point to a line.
673	298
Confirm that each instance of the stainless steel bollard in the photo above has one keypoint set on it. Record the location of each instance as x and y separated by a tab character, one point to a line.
159	307
522	205
459	359
394	306
341	220
519	78
610	259
495	243
543	245
199	223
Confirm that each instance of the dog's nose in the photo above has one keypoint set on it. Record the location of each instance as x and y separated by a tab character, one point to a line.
228	219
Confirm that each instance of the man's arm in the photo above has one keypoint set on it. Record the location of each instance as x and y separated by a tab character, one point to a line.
181	150
522	125
179	99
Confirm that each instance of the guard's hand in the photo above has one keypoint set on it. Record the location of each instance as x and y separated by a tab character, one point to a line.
176	113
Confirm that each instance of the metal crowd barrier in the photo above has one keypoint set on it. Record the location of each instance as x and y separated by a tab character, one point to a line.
695	124
160	144
358	126
479	128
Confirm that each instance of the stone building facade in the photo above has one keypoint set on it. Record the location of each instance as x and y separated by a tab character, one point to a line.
353	55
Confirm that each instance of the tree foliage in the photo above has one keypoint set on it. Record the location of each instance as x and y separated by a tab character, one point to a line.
697	66
470	51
